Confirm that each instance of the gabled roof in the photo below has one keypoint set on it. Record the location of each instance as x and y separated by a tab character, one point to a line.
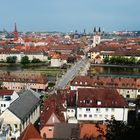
6	92
103	97
24	104
81	80
30	133
52	111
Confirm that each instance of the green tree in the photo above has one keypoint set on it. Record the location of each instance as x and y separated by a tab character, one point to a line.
106	60
132	60
35	60
25	60
117	130
113	60
11	59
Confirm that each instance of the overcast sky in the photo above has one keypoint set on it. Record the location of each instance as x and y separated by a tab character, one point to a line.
70	15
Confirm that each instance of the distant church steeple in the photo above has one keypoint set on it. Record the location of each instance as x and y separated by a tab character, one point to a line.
15	33
94	30
96	36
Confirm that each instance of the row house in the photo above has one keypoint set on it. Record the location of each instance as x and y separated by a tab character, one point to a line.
41	55
128	87
17	82
22	112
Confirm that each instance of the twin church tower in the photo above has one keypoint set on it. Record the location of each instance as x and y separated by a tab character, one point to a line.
96	38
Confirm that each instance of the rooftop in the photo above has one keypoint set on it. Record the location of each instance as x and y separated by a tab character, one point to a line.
22	106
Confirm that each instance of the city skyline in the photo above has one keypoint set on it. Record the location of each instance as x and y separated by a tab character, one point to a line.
70	15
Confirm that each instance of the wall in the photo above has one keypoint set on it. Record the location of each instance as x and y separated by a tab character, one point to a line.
102	114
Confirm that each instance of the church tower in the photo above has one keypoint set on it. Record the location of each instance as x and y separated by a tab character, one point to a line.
84	37
96	37
15	33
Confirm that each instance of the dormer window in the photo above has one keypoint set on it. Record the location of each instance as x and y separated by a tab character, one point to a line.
85	83
80	83
87	102
98	102
75	83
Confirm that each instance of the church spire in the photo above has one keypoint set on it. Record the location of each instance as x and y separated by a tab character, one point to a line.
99	30
15	29
15	33
94	30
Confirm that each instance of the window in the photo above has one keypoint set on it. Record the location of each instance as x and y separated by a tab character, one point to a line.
75	83
127	96
80	83
106	109
4	105
112	109
95	115
50	129
87	109
128	91
98	102
85	83
71	110
68	110
90	115
80	115
15	125
85	115
100	115
97	109
87	101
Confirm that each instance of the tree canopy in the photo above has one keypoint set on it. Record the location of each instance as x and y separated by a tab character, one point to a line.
25	60
11	59
120	60
35	60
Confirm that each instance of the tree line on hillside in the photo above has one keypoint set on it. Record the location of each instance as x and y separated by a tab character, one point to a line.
121	60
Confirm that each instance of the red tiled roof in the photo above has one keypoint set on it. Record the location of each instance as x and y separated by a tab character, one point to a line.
53	104
6	92
89	97
107	82
29	133
81	80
